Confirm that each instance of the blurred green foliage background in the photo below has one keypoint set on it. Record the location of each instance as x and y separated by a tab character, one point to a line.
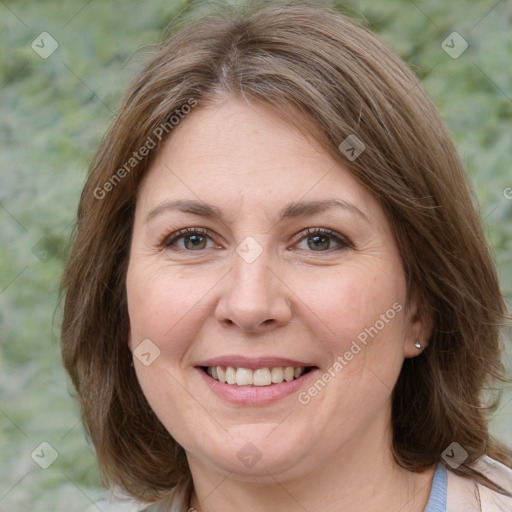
54	112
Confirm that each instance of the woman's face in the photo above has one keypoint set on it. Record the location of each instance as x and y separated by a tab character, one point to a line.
287	263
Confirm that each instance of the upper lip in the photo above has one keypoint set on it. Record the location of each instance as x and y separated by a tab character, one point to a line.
252	363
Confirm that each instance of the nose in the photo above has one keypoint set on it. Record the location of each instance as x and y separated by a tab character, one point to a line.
254	298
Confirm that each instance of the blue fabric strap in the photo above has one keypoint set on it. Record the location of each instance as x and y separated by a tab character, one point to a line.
437	498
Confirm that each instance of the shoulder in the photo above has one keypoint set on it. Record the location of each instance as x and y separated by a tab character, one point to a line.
466	494
117	501
112	504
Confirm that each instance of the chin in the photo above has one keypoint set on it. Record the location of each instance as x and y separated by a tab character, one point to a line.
252	455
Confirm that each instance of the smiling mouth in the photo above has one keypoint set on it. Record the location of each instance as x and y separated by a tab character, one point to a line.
258	377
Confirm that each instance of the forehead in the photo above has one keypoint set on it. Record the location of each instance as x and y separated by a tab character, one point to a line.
235	154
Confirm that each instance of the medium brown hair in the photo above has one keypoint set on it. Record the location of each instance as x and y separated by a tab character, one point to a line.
332	78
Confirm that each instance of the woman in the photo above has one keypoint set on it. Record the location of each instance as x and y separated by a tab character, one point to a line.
279	295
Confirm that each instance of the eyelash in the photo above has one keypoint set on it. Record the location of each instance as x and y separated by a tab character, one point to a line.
343	242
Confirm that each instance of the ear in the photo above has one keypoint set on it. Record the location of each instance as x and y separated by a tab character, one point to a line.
421	325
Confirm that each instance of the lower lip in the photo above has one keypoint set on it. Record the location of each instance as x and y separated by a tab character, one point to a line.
254	395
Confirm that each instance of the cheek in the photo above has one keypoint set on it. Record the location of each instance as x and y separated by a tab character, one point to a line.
361	309
162	303
351	300
164	308
168	398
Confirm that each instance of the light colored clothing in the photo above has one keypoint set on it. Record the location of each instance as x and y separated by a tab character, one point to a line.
465	495
437	498
462	494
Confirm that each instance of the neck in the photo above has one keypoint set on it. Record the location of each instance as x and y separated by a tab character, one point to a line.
361	477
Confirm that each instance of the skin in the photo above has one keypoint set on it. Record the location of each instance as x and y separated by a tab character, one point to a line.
293	301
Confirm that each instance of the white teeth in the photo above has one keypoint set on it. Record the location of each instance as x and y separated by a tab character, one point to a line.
230	375
277	375
289	373
243	377
259	377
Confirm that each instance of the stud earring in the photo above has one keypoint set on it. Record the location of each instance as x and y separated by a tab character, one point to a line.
417	344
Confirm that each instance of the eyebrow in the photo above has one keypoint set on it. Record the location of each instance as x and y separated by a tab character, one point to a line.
291	210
